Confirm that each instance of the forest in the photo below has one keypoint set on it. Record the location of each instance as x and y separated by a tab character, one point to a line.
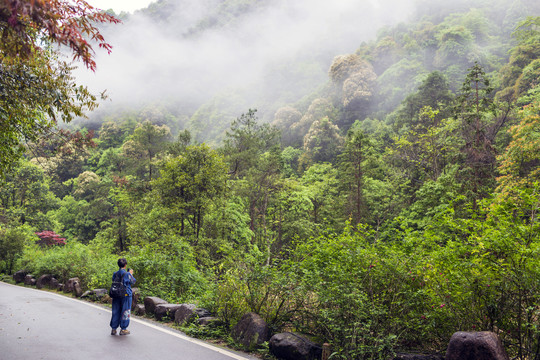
382	206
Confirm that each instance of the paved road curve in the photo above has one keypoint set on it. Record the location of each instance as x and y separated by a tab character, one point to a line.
36	324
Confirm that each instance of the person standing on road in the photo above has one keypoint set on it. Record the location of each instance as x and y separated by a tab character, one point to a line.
121	307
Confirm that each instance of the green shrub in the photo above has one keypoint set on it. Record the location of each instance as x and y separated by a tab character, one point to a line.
12	242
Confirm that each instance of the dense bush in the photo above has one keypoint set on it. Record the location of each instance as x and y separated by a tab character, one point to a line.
12	242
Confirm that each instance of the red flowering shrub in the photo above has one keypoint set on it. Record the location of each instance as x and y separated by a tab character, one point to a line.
50	238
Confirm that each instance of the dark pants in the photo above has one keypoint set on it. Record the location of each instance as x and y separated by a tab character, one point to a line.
121	312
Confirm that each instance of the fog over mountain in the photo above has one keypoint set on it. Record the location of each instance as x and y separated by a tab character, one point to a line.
188	52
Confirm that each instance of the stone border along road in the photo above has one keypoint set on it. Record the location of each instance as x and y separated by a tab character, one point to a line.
37	324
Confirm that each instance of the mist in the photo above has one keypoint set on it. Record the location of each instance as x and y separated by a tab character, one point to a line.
276	53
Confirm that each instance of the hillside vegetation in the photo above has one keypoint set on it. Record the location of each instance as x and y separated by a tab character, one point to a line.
381	209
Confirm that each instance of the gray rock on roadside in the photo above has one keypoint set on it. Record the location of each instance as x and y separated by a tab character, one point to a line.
290	346
150	303
166	310
139	310
44	280
185	314
19	276
29	280
99	294
483	345
69	287
250	331
135	297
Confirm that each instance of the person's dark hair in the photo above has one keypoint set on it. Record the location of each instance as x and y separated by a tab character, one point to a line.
122	262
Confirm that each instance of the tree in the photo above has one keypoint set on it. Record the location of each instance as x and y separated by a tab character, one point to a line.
12	241
481	119
433	92
352	164
26	197
246	141
520	163
284	119
354	79
146	143
110	135
50	238
318	109
323	142
189	182
36	87
321	186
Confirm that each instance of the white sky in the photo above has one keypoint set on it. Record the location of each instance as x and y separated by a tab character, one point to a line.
120	5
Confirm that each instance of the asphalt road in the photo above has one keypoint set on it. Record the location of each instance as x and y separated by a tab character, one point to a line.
36	324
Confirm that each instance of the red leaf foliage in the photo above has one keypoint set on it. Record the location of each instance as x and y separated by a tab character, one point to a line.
50	238
63	22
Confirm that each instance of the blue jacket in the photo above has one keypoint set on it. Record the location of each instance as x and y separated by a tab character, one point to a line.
127	279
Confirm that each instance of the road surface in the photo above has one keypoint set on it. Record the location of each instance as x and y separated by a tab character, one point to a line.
36	324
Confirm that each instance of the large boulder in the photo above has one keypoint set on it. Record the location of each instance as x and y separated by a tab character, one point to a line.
483	345
19	276
29	280
166	310
250	331
73	286
99	294
139	309
151	302
69	286
184	314
188	313
77	289
289	346
54	284
135	298
44	280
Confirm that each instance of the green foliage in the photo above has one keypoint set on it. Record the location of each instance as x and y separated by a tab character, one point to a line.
63	262
442	233
189	183
166	268
37	89
12	242
354	291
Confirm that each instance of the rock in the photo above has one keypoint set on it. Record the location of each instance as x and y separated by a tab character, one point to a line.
202	313
135	298
29	280
210	321
166	310
44	280
289	346
70	285
188	313
150	303
54	284
19	276
86	294
73	286
185	314
77	290
98	294
250	331
483	345
139	309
